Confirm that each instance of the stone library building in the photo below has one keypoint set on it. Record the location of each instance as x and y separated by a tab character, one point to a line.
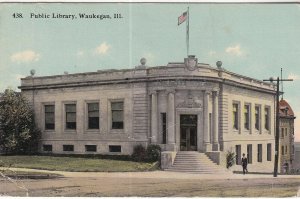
185	107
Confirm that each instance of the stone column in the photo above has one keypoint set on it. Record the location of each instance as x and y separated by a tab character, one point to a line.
206	127
154	117
171	118
216	121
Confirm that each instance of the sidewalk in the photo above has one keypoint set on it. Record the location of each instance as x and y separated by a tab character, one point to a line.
158	174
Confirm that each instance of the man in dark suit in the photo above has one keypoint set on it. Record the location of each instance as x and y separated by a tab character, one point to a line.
244	164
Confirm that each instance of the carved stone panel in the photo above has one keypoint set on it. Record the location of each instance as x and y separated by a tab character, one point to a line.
189	102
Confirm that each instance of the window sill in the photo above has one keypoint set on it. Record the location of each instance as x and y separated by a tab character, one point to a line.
49	131
70	131
92	131
47	152
116	131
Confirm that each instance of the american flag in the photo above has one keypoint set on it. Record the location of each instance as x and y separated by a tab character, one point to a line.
182	18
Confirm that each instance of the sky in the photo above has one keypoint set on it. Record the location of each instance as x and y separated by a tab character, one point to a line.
254	40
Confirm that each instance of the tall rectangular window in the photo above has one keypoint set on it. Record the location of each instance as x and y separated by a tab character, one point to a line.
257	119
164	127
249	153
293	149
286	149
117	113
247	116
93	115
238	156
235	115
282	150
282	132
285	131
70	116
259	153
267	118
269	152
49	117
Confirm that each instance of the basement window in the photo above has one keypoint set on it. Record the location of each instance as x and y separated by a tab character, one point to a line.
47	148
68	147
114	148
90	148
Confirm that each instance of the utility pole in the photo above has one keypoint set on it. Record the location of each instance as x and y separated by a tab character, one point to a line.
277	121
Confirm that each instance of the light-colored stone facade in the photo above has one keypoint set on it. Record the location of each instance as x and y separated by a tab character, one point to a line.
155	103
286	137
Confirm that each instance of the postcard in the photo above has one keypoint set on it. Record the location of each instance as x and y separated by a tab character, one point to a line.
155	99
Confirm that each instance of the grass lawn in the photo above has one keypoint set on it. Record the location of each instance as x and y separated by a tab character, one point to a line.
73	164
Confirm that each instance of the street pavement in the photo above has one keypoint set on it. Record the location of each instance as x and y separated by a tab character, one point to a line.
158	175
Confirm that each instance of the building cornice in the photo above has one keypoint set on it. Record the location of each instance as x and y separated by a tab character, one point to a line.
171	72
147	80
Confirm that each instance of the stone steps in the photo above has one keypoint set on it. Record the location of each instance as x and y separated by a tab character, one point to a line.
195	162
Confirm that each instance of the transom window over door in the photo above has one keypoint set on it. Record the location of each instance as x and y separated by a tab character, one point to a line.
93	115
117	112
70	116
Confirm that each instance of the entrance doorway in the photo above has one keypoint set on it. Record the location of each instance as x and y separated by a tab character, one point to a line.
188	132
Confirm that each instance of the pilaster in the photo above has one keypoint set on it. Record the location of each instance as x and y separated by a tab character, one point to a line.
171	117
216	121
154	117
206	128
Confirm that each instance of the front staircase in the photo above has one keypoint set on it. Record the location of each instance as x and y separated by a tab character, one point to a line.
195	162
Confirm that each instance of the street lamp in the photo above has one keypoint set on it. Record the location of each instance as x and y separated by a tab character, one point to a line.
277	122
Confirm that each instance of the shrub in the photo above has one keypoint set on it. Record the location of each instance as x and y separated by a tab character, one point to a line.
139	153
153	153
230	159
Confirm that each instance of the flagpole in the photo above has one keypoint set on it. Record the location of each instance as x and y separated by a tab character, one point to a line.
187	32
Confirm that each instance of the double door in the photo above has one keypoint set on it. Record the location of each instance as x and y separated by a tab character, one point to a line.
188	132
